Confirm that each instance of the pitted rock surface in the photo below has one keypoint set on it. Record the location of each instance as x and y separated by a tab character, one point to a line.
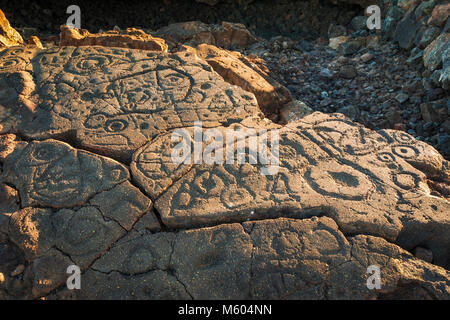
53	174
113	100
131	38
302	221
369	182
8	35
272	259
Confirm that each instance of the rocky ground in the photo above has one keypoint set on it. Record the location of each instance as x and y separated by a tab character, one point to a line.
87	178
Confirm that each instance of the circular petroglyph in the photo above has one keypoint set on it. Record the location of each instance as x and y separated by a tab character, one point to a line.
11	64
406	180
83	234
86	64
386	157
405	151
402	137
235	197
339	181
139	260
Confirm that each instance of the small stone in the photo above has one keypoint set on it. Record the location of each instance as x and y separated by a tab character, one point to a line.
445	126
348	72
359	23
424	9
335	42
393	116
388	27
351	112
401	97
349	48
366	57
294	111
428	36
407	4
34	41
415	57
443	144
406	31
396	13
336	31
435	76
326	73
428	126
432	57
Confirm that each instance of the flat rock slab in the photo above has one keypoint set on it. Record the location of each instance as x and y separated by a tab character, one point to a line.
369	182
301	216
272	259
113	100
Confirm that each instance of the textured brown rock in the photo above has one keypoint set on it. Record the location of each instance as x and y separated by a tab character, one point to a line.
432	56
34	41
439	15
131	38
227	35
112	100
9	200
103	207
231	66
303	218
8	35
272	259
327	164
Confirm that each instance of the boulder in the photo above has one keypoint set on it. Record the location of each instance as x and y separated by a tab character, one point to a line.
271	259
433	54
161	179
240	71
131	38
112	100
8	35
439	15
227	35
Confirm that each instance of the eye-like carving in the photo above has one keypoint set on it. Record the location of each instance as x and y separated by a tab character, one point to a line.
116	125
173	80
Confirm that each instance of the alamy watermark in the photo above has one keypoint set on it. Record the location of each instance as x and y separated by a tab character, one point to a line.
374	20
374	279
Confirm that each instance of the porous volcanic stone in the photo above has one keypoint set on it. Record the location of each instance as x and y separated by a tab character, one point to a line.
272	259
112	101
302	216
369	182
